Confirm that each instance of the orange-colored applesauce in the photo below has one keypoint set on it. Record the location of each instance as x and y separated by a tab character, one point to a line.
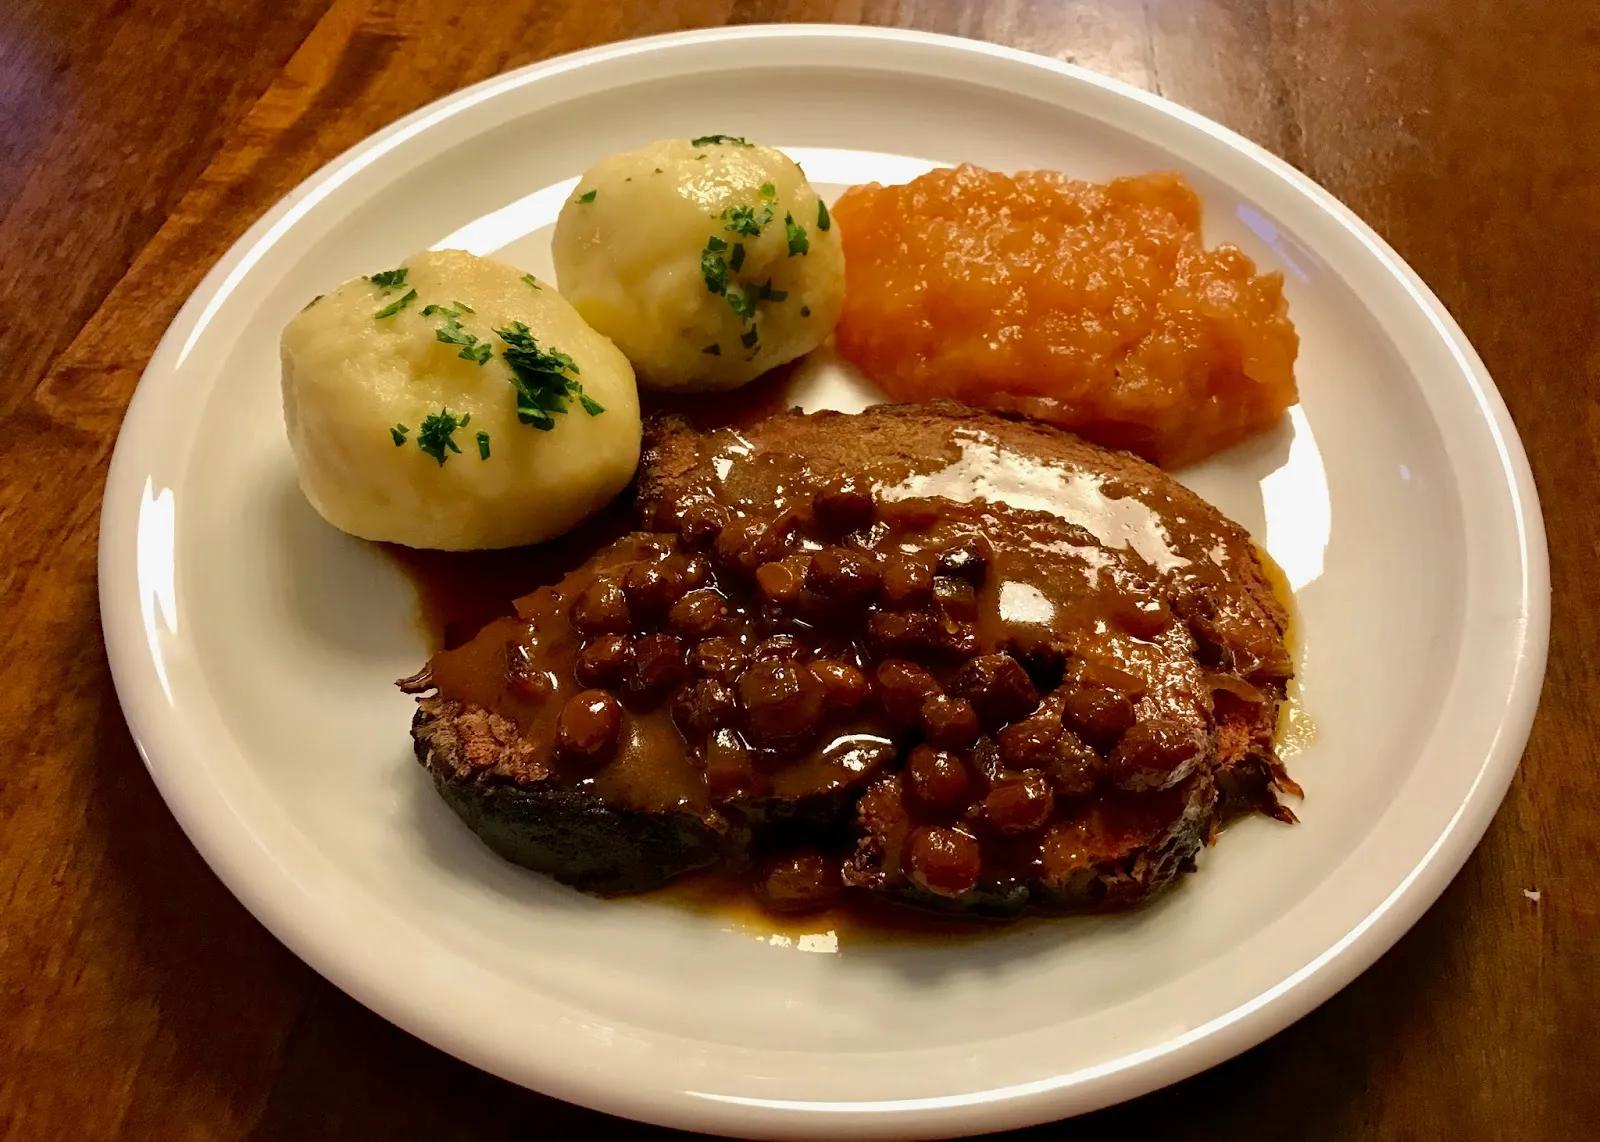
1095	307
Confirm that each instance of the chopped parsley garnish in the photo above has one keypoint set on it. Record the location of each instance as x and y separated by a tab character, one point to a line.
540	378
390	279
745	220
712	266
823	221
805	311
708	140
588	196
463	307
717	259
451	333
483	445
437	434
741	301
312	302
798	242
712	350
529	279
395	307
398	434
658	170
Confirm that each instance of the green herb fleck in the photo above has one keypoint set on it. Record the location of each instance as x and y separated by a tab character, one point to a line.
529	279
712	265
539	377
745	220
587	197
712	350
395	307
590	405
736	256
823	221
312	302
437	434
768	191
767	293
658	170
453	310
398	434
805	311
700	156
451	333
709	140
749	337
483	446
741	302
390	279
798	242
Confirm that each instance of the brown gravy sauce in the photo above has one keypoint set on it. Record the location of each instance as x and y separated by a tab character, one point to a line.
727	897
458	593
1295	730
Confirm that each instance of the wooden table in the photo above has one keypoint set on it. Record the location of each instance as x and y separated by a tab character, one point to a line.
138	138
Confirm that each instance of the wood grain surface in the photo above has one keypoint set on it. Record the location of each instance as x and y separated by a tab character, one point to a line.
138	138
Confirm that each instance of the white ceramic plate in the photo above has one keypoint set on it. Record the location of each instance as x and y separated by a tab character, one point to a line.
253	646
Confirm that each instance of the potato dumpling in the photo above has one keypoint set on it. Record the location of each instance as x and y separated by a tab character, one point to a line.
708	261
455	402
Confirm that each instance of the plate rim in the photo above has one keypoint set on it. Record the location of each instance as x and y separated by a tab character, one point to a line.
139	682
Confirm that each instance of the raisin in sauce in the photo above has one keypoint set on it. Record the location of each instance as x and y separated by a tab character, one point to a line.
794	654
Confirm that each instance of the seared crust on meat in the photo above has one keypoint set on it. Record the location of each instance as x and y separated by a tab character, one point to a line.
481	766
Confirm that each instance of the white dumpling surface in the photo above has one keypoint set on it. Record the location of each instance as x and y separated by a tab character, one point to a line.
707	261
401	395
